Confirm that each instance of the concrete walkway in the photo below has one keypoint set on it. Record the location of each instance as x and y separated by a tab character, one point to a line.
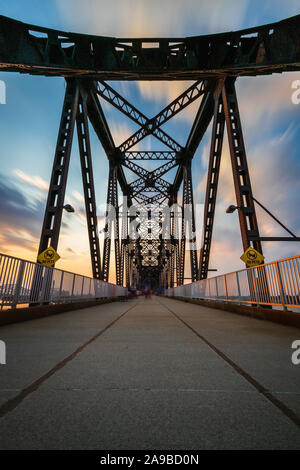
149	374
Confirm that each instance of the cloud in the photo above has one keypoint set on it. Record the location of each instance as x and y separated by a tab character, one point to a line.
162	91
35	181
165	93
78	196
144	18
121	131
170	18
20	220
20	227
265	101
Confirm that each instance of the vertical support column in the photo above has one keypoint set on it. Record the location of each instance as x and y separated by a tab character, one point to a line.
130	249
124	243
88	185
117	233
183	231
127	264
112	221
172	250
111	214
192	226
188	203
170	272
212	182
57	188
241	176
108	225
176	242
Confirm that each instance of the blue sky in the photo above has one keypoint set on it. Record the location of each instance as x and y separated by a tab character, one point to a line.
30	120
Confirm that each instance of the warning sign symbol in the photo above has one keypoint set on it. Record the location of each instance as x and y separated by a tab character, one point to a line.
48	257
252	257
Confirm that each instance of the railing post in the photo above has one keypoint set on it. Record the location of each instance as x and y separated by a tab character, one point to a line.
217	290
280	285
45	290
254	285
61	284
18	285
82	285
238	285
73	284
226	290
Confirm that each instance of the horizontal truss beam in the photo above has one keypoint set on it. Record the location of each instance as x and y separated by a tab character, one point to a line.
259	50
148	155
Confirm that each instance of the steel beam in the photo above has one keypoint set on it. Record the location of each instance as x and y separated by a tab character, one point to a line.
212	181
123	105
58	182
99	123
150	155
102	130
88	185
112	223
188	203
181	102
258	50
146	174
241	176
202	119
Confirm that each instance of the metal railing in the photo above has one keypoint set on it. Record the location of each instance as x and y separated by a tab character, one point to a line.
276	283
25	282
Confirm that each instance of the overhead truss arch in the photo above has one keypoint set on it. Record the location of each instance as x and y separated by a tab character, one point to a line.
149	229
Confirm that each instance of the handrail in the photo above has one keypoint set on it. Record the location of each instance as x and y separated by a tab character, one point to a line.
276	283
25	282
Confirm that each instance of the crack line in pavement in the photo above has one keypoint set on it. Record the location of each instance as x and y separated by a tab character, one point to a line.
11	404
260	388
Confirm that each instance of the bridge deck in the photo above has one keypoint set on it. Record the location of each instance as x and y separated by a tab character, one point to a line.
149	374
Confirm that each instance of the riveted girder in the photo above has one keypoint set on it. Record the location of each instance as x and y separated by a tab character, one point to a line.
57	187
254	51
88	184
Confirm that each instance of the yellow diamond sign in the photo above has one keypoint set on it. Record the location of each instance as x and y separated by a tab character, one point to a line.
252	257
48	257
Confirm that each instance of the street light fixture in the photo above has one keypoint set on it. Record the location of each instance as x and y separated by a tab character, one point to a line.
231	209
69	208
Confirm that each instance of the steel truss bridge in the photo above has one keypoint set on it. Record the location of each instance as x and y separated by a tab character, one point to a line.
213	63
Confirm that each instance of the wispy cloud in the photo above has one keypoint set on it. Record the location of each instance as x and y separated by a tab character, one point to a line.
35	181
20	221
165	92
170	18
78	196
144	18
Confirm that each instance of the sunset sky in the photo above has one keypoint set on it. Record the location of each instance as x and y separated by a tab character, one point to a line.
30	120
